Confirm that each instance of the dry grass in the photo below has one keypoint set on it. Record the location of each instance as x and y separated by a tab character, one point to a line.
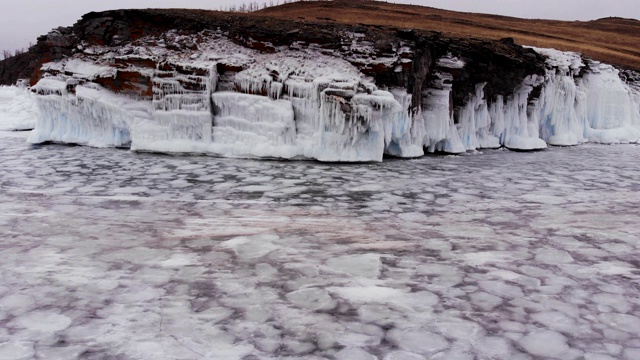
611	40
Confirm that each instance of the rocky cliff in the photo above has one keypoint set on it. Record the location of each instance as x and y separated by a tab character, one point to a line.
501	64
250	85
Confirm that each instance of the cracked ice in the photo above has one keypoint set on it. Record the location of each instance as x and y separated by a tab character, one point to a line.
112	254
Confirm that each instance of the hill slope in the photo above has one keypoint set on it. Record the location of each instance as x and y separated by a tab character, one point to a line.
611	40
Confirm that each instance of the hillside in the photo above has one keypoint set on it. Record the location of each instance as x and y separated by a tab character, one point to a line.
611	40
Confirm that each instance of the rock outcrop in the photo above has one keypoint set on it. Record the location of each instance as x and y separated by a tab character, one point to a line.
502	64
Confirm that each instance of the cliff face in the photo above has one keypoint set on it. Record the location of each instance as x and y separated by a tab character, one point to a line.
502	64
247	85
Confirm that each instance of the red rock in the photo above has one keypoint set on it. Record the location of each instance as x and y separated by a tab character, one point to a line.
130	83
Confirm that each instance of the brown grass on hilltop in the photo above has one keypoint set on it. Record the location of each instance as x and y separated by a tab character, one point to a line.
611	40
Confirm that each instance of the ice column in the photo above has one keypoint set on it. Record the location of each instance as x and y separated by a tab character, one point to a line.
562	111
475	123
440	132
521	131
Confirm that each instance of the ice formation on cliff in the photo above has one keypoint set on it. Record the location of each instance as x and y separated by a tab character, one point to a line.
596	107
92	116
306	104
18	110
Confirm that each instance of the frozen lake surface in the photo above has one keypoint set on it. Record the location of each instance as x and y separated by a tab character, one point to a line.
111	254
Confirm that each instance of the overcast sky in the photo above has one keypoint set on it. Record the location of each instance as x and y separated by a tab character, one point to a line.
24	20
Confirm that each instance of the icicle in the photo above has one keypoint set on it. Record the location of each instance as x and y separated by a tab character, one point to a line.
521	133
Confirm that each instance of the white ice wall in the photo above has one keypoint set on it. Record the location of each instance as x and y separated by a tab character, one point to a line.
90	116
597	107
562	111
253	125
181	117
612	109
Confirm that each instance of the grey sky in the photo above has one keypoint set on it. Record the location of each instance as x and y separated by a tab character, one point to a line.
24	20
